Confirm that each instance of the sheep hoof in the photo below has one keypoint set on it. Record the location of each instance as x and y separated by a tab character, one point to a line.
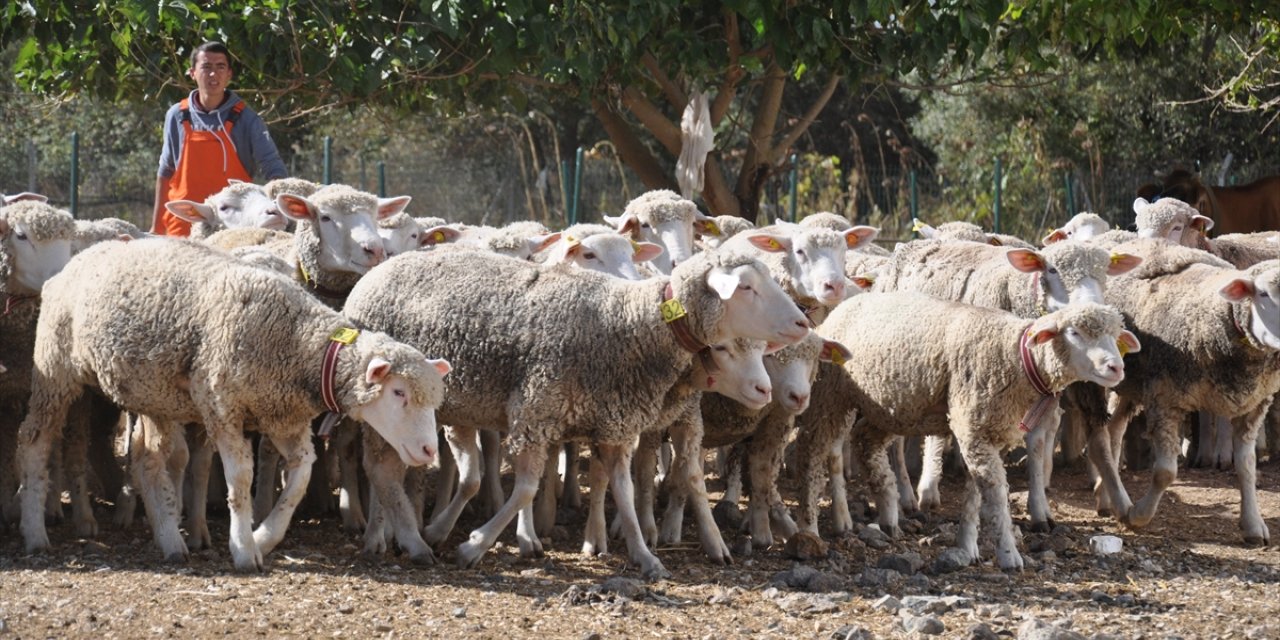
1104	512
425	559
1041	527
177	557
470	552
727	515
656	571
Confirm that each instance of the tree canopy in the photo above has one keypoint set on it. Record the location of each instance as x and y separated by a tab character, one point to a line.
632	64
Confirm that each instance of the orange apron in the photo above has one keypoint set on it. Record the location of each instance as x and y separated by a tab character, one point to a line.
199	173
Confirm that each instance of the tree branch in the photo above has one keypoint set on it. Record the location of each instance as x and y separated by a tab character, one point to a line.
632	151
675	95
733	74
666	132
811	114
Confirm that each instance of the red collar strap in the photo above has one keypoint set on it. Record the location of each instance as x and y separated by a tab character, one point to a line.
328	368
1048	398
674	315
12	301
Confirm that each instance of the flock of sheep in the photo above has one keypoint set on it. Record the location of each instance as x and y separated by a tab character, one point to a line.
651	339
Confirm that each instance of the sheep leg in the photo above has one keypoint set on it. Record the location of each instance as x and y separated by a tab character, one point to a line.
237	466
346	448
153	472
267	479
645	468
731	472
527	531
1039	456
880	477
46	417
1074	436
841	520
812	446
491	481
595	540
967	535
75	457
1245	437
764	464
544	506
906	492
127	499
387	479
415	488
299	456
686	440
1224	443
1112	498
198	476
617	461
935	447
528	467
466	451
446	480
987	469
570	491
1165	429
673	516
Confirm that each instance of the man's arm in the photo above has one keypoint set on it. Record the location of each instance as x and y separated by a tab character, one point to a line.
162	190
264	157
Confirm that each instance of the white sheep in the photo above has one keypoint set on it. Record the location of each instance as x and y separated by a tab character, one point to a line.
600	248
717	230
237	205
290	186
967	231
1213	345
1082	226
982	374
20	197
181	333
90	232
558	354
35	244
664	218
810	264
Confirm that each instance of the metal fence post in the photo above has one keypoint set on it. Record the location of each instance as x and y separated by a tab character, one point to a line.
565	177
31	165
996	206
1071	196
915	196
577	185
382	179
795	173
328	159
75	172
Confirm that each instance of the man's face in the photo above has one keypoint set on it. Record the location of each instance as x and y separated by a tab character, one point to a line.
211	72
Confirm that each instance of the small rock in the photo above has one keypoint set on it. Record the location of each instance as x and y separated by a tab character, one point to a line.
1048	556
982	631
995	611
1100	597
346	608
592	636
727	516
924	625
874	537
1034	629
919	582
1126	600
742	548
382	628
4	626
460	612
878	578
904	563
625	587
824	583
951	559
797	577
887	603
1062	530
935	604
805	546
1102	635
850	632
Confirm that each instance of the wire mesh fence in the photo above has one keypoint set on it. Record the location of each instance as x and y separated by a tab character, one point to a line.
500	178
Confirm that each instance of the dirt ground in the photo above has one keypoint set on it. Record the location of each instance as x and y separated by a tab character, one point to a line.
1188	576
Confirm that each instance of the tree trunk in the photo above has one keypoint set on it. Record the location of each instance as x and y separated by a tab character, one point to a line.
632	151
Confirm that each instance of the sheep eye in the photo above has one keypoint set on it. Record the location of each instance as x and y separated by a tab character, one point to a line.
644	225
325	219
800	252
399	393
720	348
21	235
588	256
1053	271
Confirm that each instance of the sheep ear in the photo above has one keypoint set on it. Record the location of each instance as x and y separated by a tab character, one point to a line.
124	237
724	284
1043	335
1058	235
541	242
231	181
296	207
863	282
860	236
645	251
925	231
568	247
441	366
1127	343
25	195
1122	263
190	211
1202	223
1237	290
706	226
834	352
388	207
770	243
1140	205
1025	260
439	235
626	225
377	371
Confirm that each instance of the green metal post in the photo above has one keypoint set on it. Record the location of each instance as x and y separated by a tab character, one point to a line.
328	159
996	208
564	188
1071	196
795	174
75	172
915	197
577	186
382	179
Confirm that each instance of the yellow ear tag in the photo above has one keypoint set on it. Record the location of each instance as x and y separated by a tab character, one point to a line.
571	241
438	237
672	310
836	357
774	245
1115	257
635	247
345	335
712	228
1123	347
915	228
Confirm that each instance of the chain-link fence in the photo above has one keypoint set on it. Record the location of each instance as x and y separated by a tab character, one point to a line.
502	176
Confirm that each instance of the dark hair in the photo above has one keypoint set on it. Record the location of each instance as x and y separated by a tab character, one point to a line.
210	47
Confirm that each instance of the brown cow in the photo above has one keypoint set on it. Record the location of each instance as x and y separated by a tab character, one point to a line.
1243	209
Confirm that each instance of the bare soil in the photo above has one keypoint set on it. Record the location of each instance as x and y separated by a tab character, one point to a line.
1188	575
